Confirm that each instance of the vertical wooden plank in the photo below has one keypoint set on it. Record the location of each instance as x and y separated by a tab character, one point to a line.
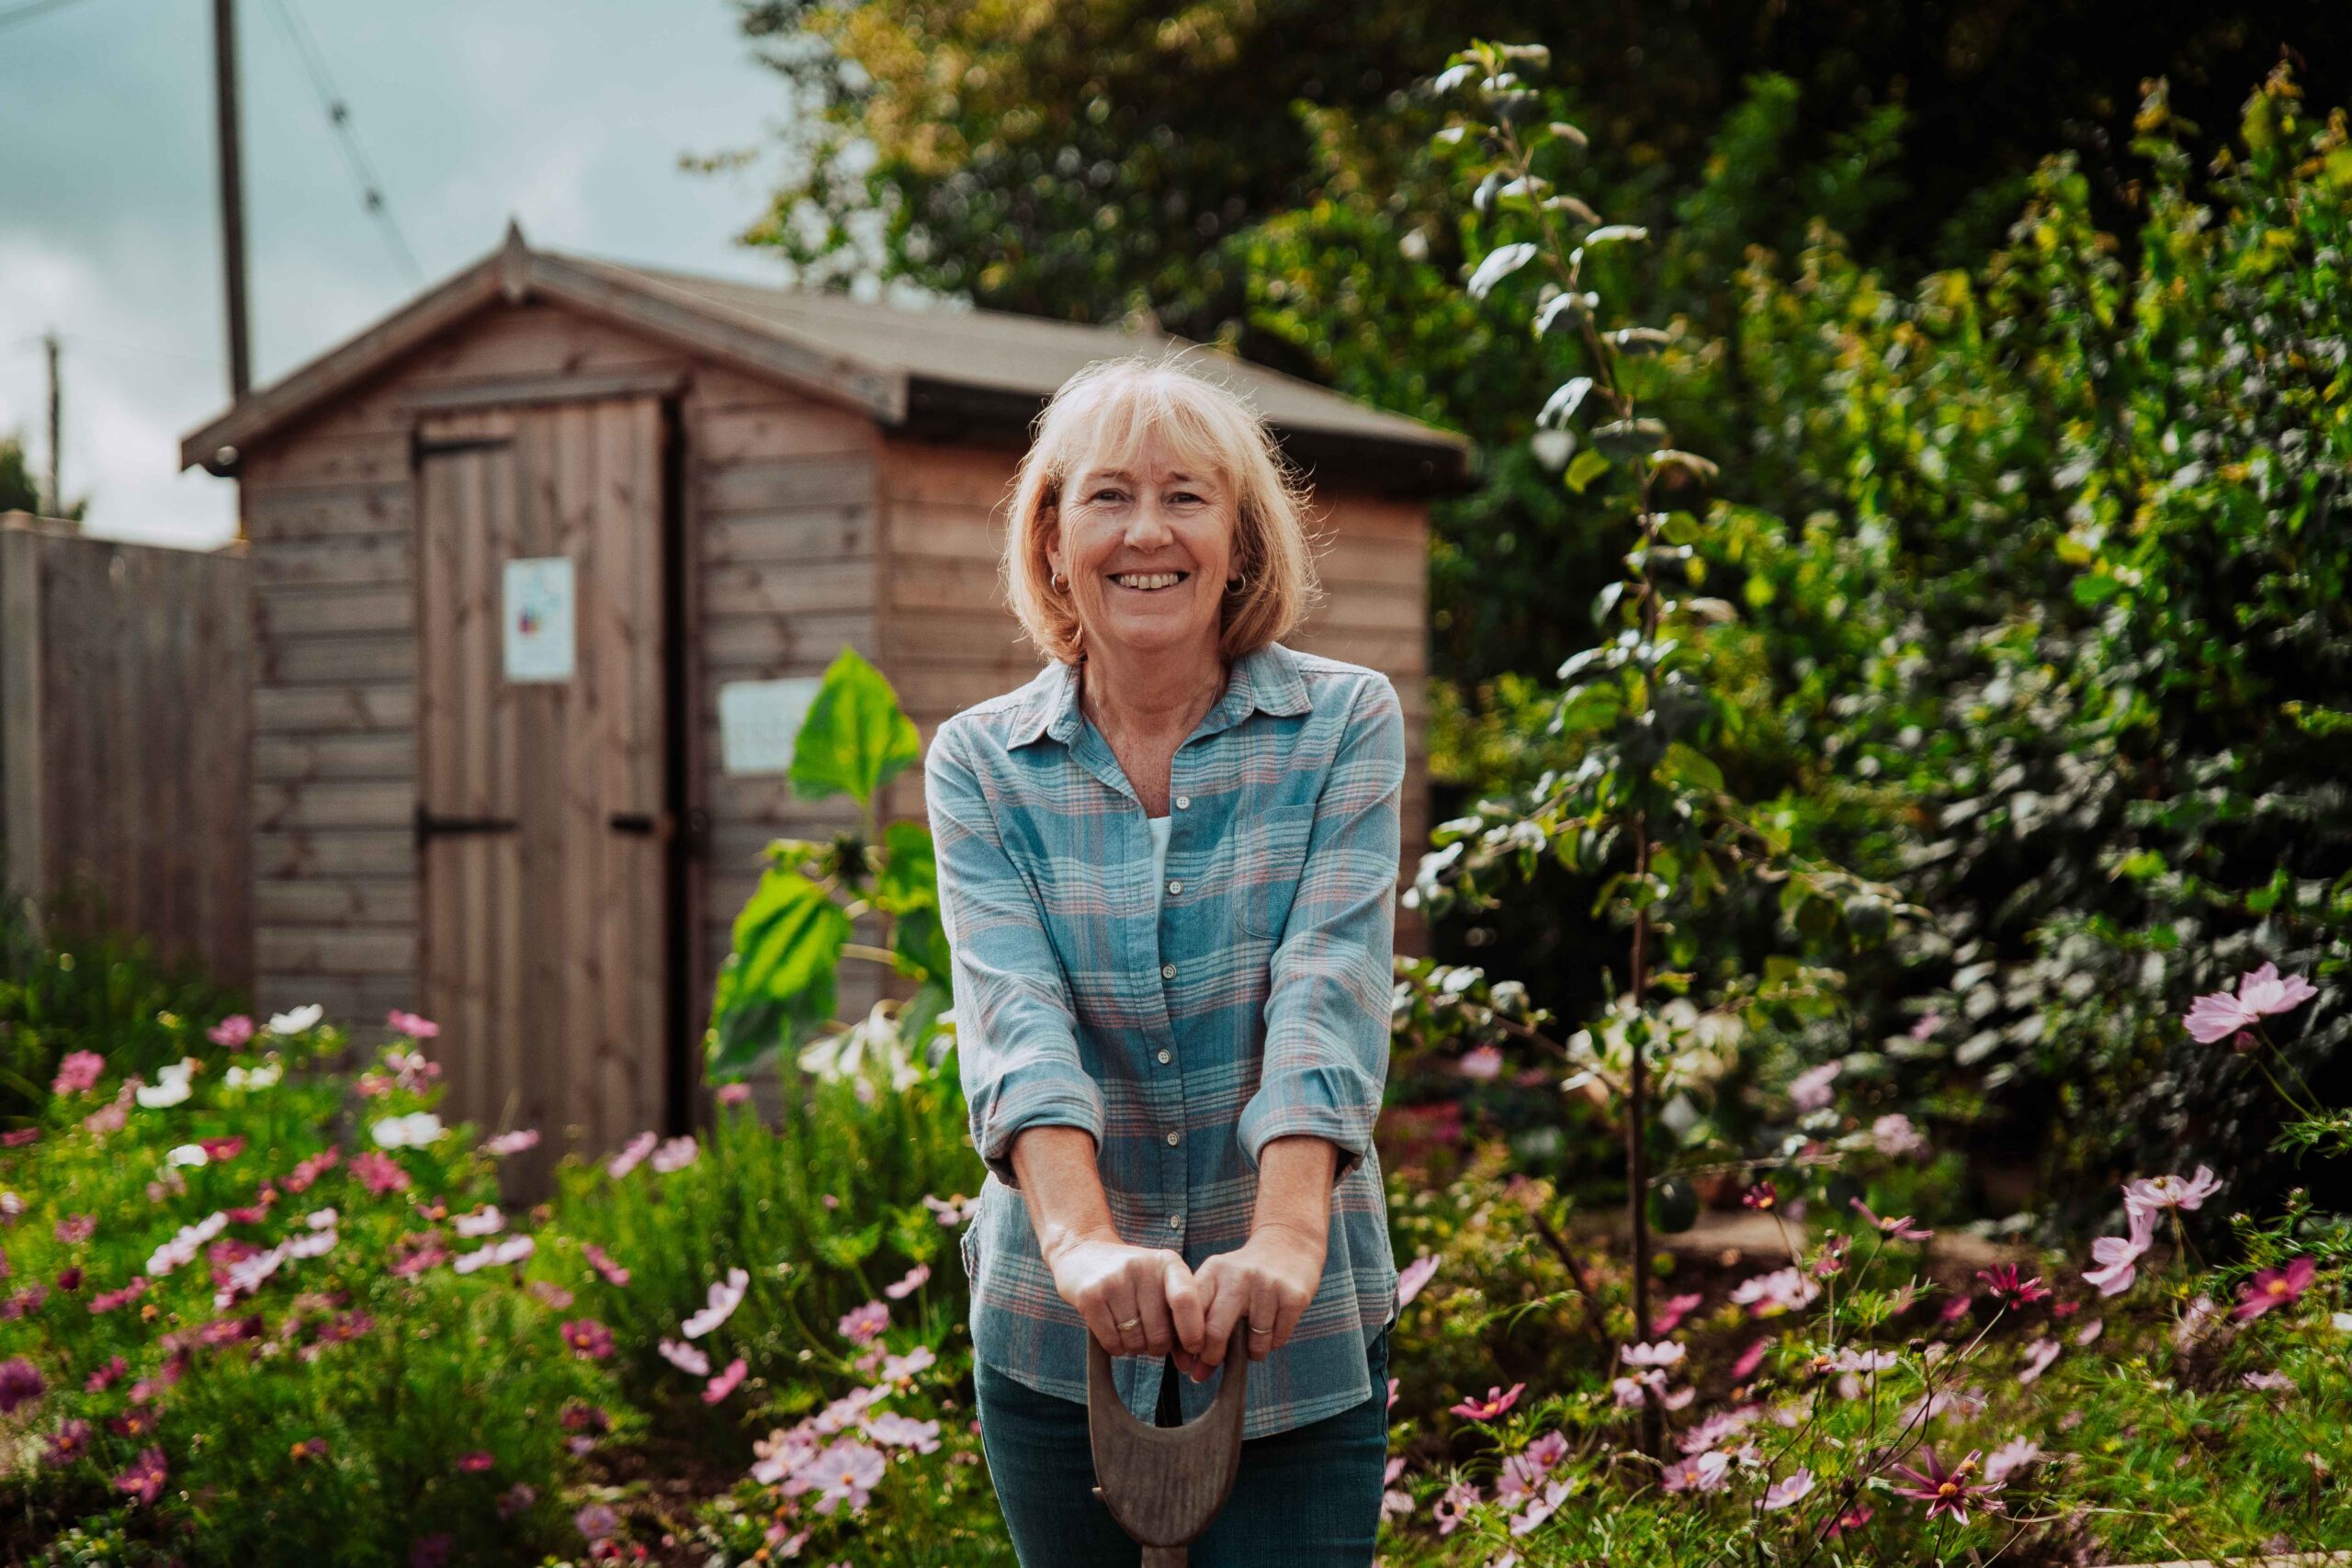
581	1048
544	1024
496	1061
436	647
21	713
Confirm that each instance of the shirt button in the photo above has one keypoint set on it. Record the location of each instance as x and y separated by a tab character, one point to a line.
1168	971
1175	1138
1184	803
1163	1058
1175	1222
1175	887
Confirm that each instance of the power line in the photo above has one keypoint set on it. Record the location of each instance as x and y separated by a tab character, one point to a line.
338	113
26	13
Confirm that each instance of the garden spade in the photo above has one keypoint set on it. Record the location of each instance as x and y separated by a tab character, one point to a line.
1164	1484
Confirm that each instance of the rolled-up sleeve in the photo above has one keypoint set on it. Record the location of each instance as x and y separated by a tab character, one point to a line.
1328	1003
1016	1043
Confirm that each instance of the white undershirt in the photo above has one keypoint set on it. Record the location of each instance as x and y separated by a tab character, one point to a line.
1158	857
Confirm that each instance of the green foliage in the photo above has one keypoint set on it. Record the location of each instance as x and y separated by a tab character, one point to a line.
94	990
334	1395
776	988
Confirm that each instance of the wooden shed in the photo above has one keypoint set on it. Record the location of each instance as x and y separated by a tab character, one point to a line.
695	485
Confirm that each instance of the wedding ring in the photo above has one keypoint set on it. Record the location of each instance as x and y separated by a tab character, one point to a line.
1132	1323
1262	1331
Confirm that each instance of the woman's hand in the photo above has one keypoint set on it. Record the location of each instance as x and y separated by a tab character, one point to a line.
1137	1300
1267	1280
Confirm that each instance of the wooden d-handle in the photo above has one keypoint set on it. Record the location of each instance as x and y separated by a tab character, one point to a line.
1165	1484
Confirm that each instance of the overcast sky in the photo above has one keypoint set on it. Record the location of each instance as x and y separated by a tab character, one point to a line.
567	114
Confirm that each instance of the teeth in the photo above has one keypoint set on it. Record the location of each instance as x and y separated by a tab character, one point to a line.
1148	580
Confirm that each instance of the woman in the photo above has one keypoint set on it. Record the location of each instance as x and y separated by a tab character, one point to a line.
1167	865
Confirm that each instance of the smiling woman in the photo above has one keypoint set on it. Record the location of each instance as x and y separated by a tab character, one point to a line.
1167	866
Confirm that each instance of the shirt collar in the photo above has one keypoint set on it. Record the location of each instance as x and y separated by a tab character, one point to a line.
1265	682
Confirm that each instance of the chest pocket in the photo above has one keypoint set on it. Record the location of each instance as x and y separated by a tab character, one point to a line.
1269	851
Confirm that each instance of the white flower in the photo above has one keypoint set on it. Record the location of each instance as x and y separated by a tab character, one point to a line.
686	1358
413	1131
182	1248
724	1297
261	1077
310	1245
514	1249
2341	1323
190	1153
299	1019
484	1221
320	1219
170	1087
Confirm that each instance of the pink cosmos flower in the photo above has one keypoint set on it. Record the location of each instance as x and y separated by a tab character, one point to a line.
1783	1289
734	1093
2118	1256
68	1445
106	1376
2157	1192
597	1522
900	1290
73	1230
686	1358
722	1298
1788	1489
1412	1276
1699	1473
902	1369
2038	1356
477	1462
1809	1091
106	1118
20	1384
1483	1062
77	1072
410	1025
843	1472
1749	1360
2262	993
2010	1291
1393	1504
1894	1137
1673	1310
1393	1384
2011	1456
143	1481
2275	1382
219	1149
675	1154
2275	1288
864	1325
1496	1402
628	1159
230	1031
379	1173
1900	1229
516	1498
602	1261
952	1211
1458	1500
512	1143
1946	1490
1929	1022
587	1338
893	1430
724	1383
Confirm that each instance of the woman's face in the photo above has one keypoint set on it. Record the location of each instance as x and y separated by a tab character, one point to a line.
1147	548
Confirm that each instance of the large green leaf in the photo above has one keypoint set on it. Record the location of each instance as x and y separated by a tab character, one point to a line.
776	988
856	737
909	875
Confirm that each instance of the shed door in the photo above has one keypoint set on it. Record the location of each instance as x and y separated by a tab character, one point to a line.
542	833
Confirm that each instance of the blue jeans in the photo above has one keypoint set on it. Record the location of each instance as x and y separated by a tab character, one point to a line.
1306	1498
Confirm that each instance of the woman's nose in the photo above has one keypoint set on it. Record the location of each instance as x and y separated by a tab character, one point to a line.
1148	527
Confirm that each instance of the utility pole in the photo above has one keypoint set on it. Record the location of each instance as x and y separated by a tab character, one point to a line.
232	191
56	430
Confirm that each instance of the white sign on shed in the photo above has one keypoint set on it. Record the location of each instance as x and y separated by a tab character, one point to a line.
759	721
536	614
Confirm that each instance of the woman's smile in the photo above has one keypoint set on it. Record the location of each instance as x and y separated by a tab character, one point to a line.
1148	581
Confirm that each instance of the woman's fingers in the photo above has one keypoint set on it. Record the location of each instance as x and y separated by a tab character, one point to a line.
1149	1273
1182	1293
1127	1336
1228	1297
1265	1316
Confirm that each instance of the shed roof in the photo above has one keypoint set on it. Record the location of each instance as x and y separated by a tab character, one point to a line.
937	371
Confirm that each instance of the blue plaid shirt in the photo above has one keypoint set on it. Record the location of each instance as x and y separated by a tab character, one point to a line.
1251	1003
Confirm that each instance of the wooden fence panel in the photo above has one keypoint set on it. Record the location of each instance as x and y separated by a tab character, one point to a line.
125	715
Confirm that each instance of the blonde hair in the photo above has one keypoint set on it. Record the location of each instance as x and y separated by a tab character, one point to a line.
1103	413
